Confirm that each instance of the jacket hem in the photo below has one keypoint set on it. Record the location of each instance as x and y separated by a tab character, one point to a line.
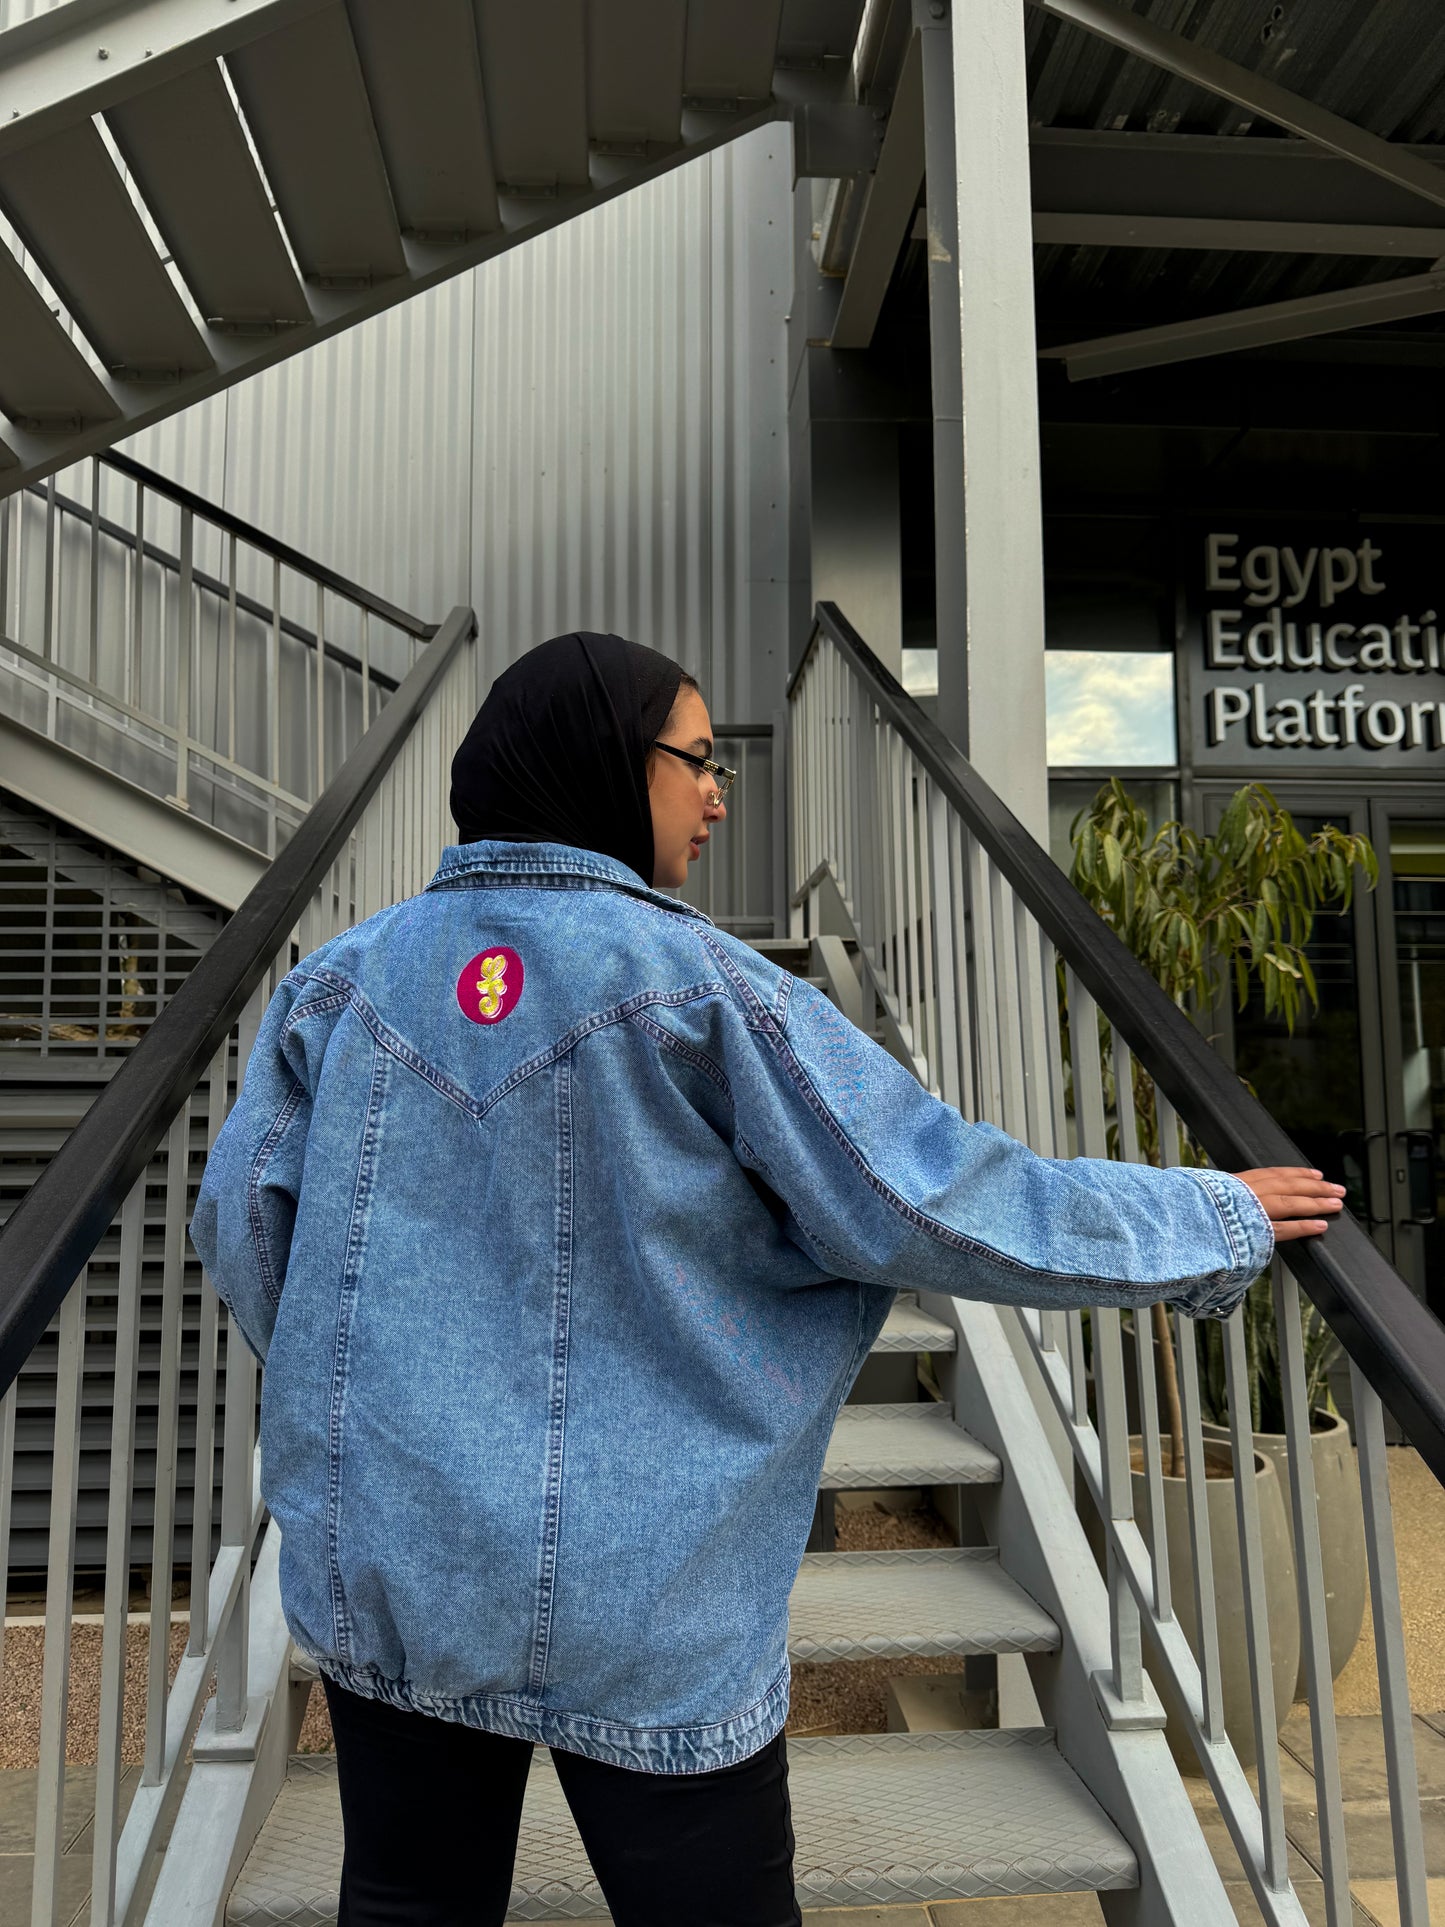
701	1748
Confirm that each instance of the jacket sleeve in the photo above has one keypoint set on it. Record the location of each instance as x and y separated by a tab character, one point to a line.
246	1208
883	1182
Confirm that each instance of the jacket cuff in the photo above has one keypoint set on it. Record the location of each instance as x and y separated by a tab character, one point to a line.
1250	1237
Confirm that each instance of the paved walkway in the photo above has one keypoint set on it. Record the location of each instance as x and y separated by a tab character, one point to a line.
1367	1826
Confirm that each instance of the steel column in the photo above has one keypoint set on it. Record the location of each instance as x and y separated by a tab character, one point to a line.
987	508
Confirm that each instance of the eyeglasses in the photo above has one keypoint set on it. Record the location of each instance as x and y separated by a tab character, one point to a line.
722	776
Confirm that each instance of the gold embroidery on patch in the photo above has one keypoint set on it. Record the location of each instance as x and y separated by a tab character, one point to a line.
491	985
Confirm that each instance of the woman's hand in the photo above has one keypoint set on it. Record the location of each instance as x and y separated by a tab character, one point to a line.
1299	1203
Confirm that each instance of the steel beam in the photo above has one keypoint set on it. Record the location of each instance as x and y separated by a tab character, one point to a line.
987	498
1204	68
126	817
1218	177
1220	334
65	65
892	196
1251	237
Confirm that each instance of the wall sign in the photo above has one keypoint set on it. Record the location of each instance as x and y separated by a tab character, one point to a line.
1315	649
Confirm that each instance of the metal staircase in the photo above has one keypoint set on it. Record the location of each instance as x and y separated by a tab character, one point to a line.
229	1823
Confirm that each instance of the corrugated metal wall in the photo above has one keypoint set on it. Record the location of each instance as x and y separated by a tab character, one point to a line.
589	432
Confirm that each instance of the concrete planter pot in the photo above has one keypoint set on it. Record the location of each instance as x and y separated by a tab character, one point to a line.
1342	1527
1228	1597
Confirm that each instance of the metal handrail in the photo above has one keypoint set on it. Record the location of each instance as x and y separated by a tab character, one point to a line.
53	1231
281	552
1394	1340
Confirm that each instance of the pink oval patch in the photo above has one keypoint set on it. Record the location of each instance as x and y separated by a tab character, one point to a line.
489	987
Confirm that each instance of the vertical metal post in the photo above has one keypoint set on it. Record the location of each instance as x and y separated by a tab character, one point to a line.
185	615
94	613
987	508
137	600
108	1767
59	1588
1396	1725
320	692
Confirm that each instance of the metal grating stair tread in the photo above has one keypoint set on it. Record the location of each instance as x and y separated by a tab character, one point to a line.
881	1819
907	1328
874	1446
947	1599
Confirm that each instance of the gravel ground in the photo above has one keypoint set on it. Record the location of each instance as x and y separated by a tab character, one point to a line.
20	1693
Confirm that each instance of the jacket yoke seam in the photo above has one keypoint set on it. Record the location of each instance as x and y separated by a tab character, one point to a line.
756	1014
688	1052
477	1108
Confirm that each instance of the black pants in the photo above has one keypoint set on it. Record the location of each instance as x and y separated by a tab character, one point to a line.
431	1812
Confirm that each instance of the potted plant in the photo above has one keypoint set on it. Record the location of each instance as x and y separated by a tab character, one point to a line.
1199	911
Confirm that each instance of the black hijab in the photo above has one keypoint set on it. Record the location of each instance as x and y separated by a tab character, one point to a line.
557	752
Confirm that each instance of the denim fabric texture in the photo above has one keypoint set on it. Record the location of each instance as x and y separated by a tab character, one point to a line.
559	1291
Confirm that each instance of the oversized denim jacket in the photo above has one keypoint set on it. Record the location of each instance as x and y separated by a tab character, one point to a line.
563	1222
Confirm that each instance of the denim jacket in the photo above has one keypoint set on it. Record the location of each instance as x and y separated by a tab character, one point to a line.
563	1222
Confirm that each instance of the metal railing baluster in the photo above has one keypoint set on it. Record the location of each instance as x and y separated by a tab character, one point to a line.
59	1593
178	1156
1401	1774
208	1343
1256	1606
988	1069
93	585
1310	1585
185	616
1148	1390
231	650
108	1769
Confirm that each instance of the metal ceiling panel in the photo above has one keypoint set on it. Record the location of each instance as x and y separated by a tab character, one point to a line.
1377	66
534	70
302	92
70	207
732	48
45	381
188	156
634	73
424	76
816	30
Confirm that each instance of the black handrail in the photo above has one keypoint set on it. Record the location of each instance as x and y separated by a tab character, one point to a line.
213	585
55	1228
281	552
1397	1343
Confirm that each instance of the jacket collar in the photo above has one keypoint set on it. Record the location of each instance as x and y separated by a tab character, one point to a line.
521	862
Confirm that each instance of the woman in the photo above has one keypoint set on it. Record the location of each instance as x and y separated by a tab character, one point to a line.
563	1222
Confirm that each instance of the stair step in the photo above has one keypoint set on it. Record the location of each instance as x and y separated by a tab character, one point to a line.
884	1445
944	1599
908	1328
880	1819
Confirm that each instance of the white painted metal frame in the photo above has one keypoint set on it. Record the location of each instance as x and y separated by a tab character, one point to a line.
967	984
188	1730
